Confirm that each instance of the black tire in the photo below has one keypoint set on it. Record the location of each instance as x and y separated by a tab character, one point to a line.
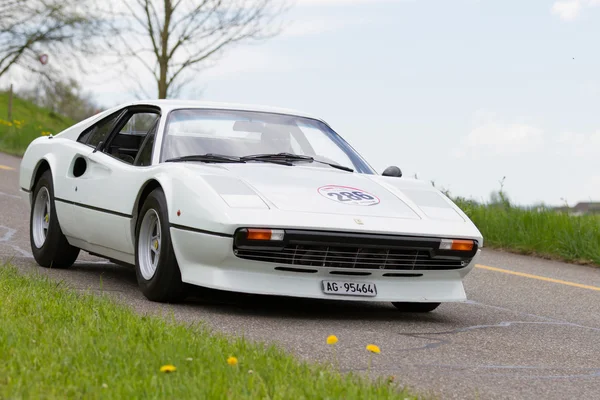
416	307
165	285
55	252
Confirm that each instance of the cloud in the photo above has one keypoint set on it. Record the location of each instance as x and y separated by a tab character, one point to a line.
243	60
315	26
578	144
492	135
569	10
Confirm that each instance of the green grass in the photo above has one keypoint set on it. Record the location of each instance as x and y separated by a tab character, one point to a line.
27	123
543	233
57	344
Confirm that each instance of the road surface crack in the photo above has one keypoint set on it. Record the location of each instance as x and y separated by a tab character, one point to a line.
6	239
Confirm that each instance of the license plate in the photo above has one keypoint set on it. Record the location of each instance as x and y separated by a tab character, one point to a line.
349	288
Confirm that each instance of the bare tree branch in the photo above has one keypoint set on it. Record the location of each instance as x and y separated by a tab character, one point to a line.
60	28
184	34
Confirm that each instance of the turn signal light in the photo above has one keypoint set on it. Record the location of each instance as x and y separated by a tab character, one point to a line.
457	245
264	234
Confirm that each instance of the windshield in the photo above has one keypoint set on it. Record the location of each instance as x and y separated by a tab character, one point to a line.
243	133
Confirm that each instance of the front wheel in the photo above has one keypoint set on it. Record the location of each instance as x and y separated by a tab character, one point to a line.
416	307
156	266
49	245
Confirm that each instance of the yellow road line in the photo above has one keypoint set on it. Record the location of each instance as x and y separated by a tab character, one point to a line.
7	168
541	278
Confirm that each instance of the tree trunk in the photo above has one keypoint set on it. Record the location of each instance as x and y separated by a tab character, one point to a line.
164	47
162	81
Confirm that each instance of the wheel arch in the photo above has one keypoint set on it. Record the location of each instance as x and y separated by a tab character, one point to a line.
44	162
191	201
147	188
42	166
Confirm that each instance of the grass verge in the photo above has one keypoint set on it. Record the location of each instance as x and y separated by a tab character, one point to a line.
57	343
27	123
544	233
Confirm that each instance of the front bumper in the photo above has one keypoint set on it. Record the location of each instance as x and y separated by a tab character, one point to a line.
207	260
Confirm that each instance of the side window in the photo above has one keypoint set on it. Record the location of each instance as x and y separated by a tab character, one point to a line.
133	129
139	124
100	131
144	157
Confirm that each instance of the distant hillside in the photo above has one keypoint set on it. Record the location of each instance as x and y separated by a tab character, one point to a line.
28	122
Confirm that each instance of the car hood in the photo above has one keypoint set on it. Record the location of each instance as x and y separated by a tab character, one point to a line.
315	189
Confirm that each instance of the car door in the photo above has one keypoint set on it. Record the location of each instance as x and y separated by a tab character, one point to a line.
105	193
78	168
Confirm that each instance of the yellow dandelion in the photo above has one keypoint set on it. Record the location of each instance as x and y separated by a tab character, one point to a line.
331	340
373	348
232	361
168	368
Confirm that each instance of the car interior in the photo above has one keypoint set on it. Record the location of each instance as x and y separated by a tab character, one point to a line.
133	143
269	140
138	132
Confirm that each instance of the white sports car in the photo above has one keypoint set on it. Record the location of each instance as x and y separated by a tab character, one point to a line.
246	199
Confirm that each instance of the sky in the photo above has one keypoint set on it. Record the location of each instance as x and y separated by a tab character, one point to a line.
460	92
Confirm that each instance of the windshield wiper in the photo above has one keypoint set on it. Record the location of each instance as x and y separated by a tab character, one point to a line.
208	158
289	157
338	166
278	156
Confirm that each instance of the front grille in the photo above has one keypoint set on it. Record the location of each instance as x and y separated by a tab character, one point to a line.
349	251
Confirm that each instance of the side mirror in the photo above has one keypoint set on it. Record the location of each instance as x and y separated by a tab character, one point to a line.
392	171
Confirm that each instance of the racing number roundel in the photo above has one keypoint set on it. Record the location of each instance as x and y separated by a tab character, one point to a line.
348	195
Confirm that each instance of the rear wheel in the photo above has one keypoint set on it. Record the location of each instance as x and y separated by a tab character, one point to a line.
156	267
416	307
49	245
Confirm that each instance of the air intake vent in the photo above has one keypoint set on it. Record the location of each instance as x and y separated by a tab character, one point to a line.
356	251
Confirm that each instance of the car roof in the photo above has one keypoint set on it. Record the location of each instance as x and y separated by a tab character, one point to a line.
167	105
171	104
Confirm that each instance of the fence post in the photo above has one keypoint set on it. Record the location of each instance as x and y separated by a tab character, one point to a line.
10	102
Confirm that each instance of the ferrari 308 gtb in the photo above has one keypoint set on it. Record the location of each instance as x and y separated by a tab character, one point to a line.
246	199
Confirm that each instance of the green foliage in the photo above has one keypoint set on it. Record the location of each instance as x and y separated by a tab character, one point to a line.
536	230
59	344
62	97
28	122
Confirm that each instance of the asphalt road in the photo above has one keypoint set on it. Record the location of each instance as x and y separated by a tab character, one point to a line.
530	335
